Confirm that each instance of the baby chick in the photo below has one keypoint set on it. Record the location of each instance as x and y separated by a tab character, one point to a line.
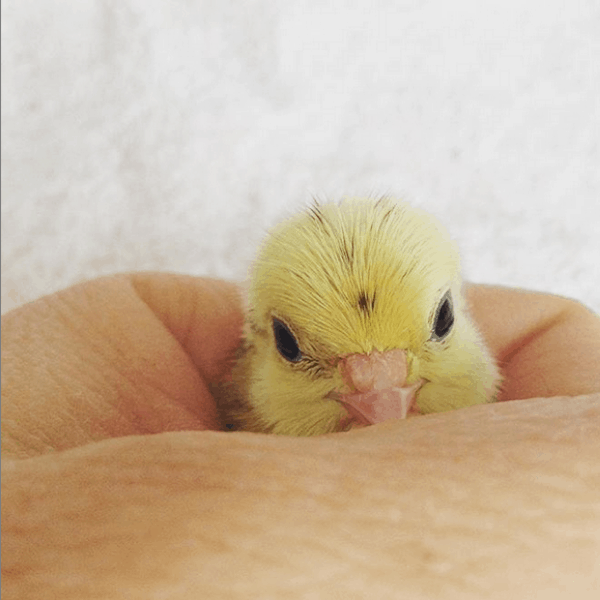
355	316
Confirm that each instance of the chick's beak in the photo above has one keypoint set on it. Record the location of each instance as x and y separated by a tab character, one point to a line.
376	388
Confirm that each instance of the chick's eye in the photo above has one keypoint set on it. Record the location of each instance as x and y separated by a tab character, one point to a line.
286	343
444	318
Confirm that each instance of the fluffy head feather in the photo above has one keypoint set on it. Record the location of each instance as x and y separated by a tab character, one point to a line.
354	278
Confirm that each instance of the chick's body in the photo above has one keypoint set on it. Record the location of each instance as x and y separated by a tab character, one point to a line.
353	306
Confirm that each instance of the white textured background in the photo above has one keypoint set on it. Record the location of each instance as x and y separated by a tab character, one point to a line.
147	134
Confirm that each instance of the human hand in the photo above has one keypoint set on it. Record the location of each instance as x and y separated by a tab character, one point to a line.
136	354
116	356
399	506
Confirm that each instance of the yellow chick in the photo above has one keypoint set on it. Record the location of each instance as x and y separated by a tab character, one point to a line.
355	316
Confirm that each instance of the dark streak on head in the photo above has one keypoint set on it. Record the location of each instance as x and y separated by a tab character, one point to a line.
382	200
315	213
347	249
365	303
387	215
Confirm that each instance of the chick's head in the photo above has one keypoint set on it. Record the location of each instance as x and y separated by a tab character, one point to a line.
356	315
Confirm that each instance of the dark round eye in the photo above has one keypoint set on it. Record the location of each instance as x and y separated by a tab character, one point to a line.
444	318
286	342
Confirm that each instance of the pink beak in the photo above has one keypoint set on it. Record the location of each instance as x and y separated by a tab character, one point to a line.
378	389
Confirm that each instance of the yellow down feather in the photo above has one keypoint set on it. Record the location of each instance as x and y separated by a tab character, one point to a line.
350	278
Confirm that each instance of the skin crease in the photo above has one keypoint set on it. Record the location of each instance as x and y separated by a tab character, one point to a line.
492	501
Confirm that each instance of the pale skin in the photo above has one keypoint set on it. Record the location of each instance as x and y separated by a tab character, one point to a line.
494	501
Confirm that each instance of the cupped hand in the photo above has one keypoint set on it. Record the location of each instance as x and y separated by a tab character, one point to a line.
136	354
495	501
117	356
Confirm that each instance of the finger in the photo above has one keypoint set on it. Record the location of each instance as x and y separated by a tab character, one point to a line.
204	315
546	345
94	361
